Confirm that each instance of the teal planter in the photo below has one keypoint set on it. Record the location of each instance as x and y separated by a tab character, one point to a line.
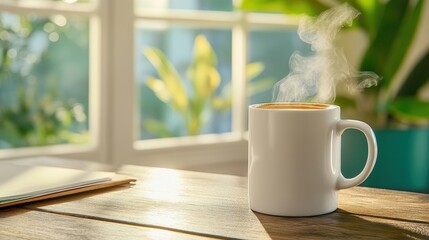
402	162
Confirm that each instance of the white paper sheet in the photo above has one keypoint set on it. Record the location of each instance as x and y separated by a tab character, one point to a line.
19	182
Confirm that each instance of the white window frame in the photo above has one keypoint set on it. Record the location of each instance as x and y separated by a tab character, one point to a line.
113	110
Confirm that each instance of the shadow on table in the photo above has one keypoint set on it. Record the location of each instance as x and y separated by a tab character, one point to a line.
339	225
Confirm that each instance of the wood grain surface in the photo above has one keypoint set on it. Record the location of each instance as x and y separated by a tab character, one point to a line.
385	203
34	225
213	205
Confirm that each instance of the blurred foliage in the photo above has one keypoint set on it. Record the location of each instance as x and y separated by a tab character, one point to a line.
205	93
32	114
390	26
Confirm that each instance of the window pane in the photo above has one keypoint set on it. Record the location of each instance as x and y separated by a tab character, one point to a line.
271	49
211	5
43	80
196	100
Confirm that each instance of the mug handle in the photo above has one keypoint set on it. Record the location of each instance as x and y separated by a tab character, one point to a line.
342	125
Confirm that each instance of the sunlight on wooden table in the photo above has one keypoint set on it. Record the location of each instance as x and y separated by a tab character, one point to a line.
164	185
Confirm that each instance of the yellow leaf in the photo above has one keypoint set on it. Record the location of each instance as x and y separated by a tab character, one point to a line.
214	80
159	88
169	76
254	69
203	73
203	51
260	85
221	104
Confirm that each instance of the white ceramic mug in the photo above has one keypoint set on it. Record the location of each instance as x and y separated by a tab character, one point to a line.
294	158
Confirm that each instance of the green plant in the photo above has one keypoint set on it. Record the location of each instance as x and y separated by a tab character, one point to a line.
31	113
390	27
48	122
204	83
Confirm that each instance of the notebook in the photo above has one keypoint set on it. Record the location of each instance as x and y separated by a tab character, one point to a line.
23	183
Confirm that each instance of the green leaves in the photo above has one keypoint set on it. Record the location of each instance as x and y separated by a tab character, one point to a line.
418	76
294	7
345	102
47	122
410	110
394	36
403	41
380	48
370	17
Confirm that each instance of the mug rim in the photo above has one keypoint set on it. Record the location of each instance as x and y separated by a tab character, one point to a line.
328	106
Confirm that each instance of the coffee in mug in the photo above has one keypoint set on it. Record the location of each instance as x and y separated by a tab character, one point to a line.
297	106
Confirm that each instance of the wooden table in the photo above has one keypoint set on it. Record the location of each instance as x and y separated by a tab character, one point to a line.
175	204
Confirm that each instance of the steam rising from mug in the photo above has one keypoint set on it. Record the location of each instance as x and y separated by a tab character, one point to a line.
314	78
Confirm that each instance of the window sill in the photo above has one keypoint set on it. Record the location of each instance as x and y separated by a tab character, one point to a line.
53	150
189	152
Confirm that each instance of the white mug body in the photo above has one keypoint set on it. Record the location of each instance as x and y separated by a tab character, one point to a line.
294	160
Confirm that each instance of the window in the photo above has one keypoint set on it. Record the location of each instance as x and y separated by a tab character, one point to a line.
162	83
46	78
166	110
